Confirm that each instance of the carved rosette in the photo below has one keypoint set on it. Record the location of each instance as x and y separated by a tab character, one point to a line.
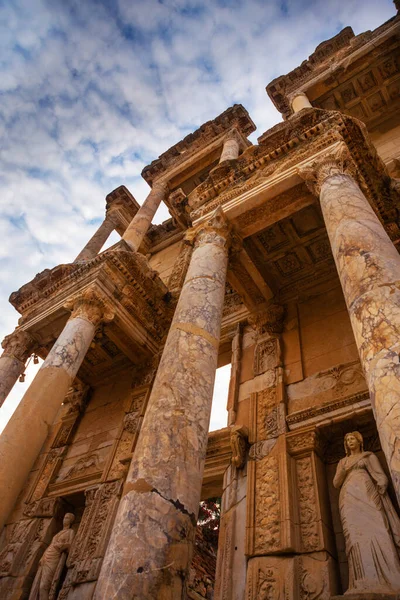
91	306
19	344
336	161
215	230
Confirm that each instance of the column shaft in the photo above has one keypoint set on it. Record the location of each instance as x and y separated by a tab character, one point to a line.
230	150
141	222
369	269
17	348
25	433
150	549
300	101
97	241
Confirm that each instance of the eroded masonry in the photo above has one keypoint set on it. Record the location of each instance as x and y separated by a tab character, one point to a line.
280	258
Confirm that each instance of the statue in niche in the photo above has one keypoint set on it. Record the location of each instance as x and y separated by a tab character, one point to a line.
52	562
371	526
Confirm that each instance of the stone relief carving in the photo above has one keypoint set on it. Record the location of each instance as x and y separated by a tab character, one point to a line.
83	464
371	526
52	562
267	506
268	584
87	551
261	449
307	504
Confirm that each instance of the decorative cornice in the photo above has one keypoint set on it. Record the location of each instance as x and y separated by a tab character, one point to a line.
19	344
92	306
336	161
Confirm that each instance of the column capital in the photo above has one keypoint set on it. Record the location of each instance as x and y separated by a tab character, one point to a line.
92	306
19	344
336	161
215	230
161	187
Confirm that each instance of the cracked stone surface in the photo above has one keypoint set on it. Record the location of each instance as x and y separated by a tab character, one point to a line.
369	270
150	549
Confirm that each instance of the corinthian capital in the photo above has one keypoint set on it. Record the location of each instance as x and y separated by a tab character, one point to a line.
215	230
19	344
336	161
90	305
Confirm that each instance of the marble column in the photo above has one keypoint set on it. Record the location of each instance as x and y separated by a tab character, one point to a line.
150	549
368	265
141	222
26	431
97	241
231	147
299	101
18	346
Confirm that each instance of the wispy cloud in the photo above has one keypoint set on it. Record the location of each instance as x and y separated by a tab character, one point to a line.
90	92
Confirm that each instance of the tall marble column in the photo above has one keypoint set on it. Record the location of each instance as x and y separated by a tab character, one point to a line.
97	240
298	101
150	549
25	433
231	146
141	222
17	348
368	265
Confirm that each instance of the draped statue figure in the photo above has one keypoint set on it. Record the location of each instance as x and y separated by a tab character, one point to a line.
371	526
52	562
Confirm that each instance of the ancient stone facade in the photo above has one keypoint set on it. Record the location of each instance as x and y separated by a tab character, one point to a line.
281	258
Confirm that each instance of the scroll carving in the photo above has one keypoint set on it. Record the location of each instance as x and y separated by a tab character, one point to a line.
88	549
336	161
307	504
90	305
267	506
238	445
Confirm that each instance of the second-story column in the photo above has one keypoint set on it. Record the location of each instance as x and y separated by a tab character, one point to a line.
141	222
298	101
150	549
18	346
368	265
231	147
97	240
26	431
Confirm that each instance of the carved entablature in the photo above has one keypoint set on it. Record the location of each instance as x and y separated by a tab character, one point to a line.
330	82
281	151
234	117
126	295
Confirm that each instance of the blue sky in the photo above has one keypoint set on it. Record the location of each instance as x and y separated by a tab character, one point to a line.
92	91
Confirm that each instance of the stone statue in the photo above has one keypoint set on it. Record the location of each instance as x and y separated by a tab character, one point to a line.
371	526
52	561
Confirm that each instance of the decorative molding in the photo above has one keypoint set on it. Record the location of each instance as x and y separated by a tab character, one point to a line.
19	344
336	161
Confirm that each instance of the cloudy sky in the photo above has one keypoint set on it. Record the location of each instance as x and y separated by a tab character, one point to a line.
93	90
